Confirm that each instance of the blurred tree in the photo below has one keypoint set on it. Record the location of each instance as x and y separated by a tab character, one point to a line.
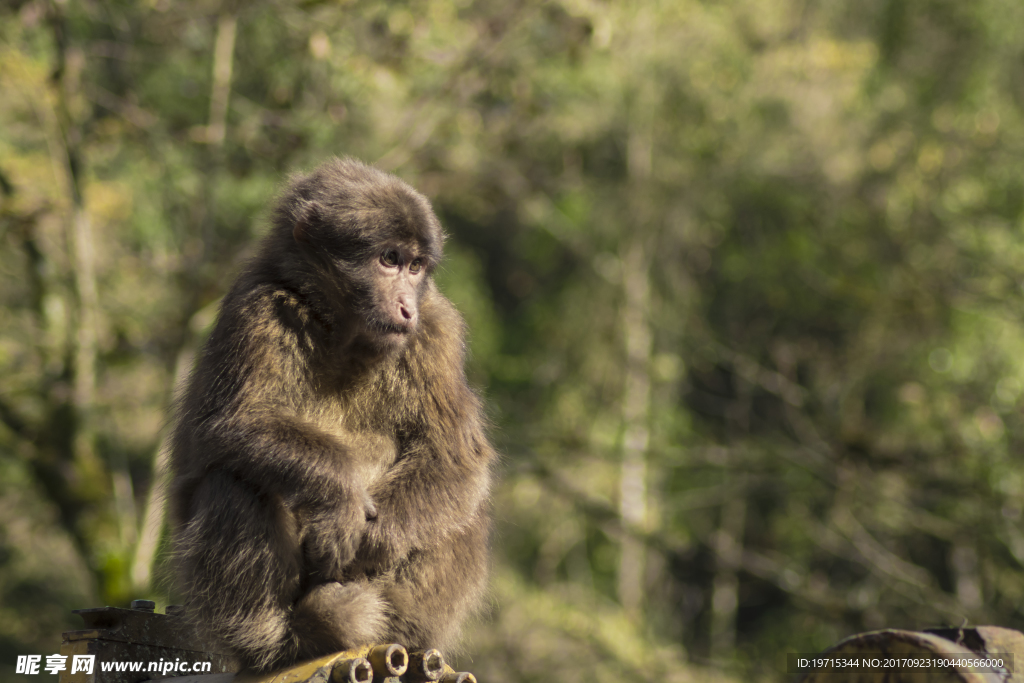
743	283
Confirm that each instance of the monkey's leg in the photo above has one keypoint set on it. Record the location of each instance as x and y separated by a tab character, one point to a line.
240	564
437	589
337	616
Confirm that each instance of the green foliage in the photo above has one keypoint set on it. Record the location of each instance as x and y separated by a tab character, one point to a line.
777	244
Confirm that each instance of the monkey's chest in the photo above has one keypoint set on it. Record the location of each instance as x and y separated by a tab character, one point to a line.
371	453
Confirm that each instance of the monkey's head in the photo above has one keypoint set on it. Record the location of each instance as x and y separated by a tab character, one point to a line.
364	244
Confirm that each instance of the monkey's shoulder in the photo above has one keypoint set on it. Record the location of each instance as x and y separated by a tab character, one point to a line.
265	313
258	351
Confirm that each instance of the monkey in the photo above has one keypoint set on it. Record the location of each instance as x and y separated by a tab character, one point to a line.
330	464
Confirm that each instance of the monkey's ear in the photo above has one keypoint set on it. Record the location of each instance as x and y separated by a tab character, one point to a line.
300	231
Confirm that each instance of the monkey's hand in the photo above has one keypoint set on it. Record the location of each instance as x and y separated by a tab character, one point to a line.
334	533
422	503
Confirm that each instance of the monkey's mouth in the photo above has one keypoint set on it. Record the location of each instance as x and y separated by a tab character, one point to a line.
385	328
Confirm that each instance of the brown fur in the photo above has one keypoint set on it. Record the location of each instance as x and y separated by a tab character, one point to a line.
331	468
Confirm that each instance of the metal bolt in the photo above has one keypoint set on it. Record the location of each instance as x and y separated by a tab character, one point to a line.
355	670
143	605
425	665
458	677
388	661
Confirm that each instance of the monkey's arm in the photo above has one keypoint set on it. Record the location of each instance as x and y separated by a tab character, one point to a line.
276	453
431	492
281	458
241	414
239	417
441	480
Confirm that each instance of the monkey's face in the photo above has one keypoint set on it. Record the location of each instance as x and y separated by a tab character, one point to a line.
372	273
367	243
393	283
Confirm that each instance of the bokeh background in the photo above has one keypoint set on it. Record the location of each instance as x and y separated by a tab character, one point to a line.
743	278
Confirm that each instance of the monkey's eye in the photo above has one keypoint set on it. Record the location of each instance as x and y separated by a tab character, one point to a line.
416	265
389	258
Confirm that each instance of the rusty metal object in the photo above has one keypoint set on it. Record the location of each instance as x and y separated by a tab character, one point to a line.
422	667
425	665
954	644
388	661
458	677
115	634
118	635
320	670
354	670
